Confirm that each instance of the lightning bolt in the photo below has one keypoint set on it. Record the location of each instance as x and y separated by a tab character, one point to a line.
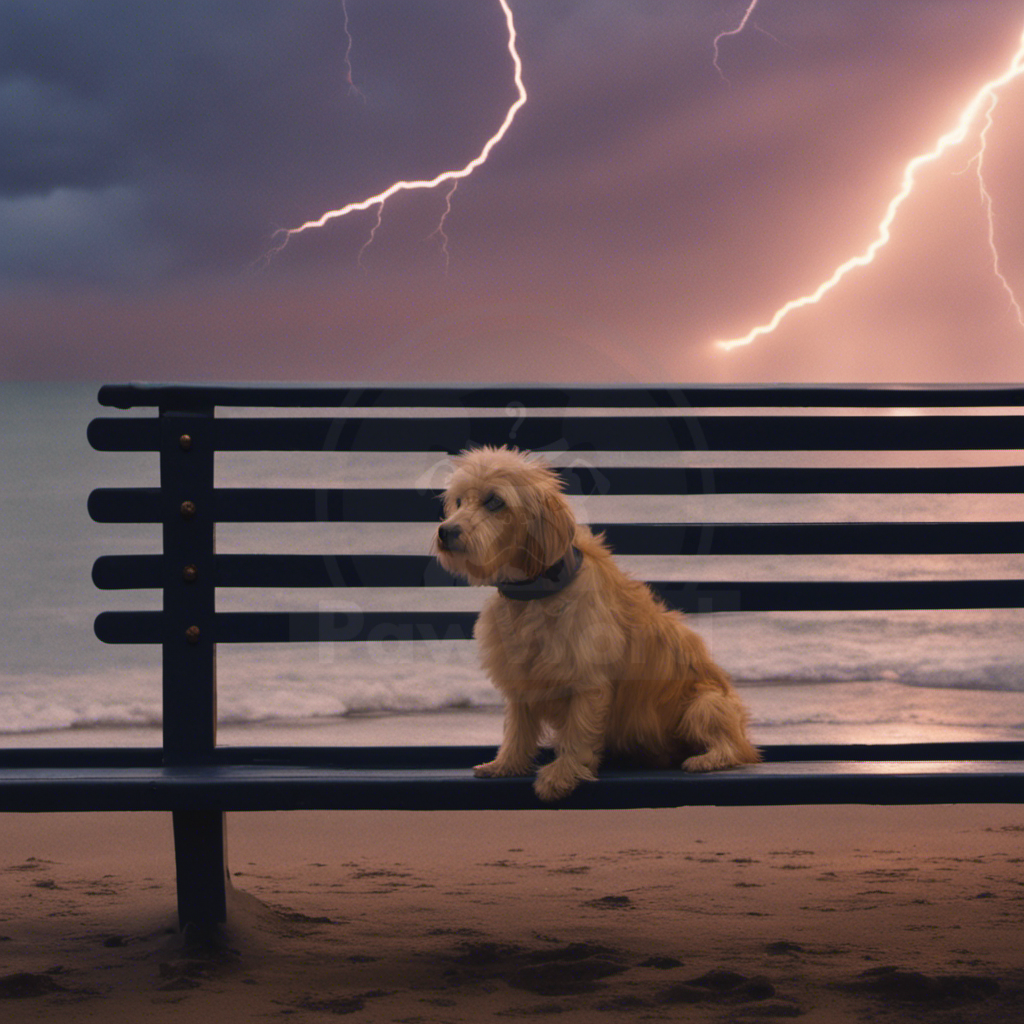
986	198
732	32
439	230
286	234
353	89
370	237
985	99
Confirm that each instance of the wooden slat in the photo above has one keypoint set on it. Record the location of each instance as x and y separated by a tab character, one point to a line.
136	572
883	595
331	627
295	627
217	788
799	480
133	434
693	598
815	538
141	572
407	505
277	505
81	757
128	572
126	396
125	505
327	505
598	433
459	756
621	433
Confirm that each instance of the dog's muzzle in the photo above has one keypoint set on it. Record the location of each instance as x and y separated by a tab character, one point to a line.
449	538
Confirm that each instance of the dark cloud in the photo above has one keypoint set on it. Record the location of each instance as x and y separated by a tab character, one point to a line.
231	118
148	150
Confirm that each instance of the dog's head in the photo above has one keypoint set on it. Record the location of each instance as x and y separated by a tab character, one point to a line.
505	517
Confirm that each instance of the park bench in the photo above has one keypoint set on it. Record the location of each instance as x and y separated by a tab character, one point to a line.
197	780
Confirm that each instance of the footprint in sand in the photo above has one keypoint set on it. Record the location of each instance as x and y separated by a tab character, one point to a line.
610	903
915	987
28	986
565	970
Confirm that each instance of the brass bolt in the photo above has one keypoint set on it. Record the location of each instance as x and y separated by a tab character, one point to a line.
192	634
188	509
185	441
190	574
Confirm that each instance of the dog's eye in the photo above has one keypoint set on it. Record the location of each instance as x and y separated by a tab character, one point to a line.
458	502
492	503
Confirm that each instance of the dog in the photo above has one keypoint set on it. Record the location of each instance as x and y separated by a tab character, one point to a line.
586	657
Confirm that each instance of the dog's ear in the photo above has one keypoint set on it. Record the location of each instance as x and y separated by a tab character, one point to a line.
549	530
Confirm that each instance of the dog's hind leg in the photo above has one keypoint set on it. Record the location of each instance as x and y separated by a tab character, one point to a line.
518	743
715	722
579	743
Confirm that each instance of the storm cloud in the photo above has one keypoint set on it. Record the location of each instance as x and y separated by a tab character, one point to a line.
641	205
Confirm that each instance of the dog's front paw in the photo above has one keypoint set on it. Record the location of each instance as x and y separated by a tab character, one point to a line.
558	779
497	768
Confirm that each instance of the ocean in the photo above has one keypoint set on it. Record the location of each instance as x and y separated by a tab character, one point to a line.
828	677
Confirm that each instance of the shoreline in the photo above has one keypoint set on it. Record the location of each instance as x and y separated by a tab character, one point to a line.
858	711
455	726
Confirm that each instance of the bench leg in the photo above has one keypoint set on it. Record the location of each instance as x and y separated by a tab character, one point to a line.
200	855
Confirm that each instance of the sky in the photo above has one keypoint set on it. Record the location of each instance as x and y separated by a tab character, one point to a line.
641	206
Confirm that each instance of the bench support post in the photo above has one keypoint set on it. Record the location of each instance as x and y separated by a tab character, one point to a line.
189	652
200	855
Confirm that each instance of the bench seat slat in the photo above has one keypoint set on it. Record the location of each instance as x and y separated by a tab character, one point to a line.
598	433
461	755
277	787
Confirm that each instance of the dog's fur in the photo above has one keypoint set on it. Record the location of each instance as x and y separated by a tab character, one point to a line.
601	665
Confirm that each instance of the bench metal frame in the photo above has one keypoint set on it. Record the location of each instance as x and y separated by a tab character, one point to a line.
198	781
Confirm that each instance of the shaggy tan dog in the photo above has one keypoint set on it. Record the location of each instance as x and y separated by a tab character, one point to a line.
584	655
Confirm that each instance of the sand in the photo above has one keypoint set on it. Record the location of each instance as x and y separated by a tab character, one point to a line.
709	914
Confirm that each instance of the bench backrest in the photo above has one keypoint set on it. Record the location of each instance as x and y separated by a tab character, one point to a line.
186	433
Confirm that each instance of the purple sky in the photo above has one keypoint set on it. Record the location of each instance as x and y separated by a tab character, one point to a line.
640	207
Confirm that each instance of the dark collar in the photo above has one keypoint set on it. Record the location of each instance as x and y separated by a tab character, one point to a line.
553	579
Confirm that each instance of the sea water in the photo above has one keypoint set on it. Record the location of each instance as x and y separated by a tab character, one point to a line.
825	677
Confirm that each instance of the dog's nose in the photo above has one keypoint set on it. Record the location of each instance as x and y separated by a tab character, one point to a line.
447	535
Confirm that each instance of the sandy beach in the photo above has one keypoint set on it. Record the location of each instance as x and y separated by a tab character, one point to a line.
817	913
